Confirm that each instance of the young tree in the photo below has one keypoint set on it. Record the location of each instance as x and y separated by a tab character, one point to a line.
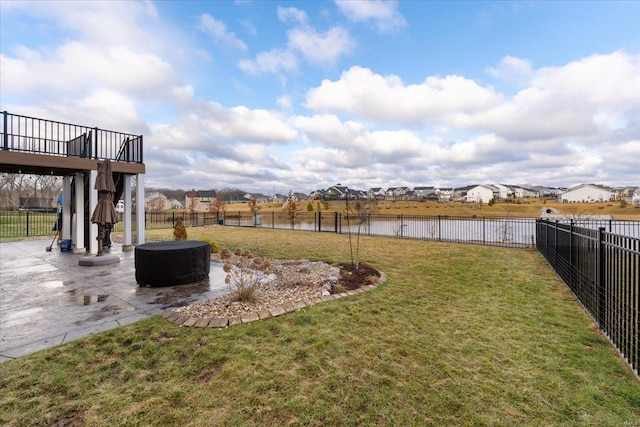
292	207
361	212
255	207
219	205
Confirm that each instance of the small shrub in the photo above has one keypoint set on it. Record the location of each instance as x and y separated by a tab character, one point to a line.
244	273
623	203
179	231
215	246
492	202
309	207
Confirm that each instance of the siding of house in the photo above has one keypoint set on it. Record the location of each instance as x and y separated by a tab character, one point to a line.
586	193
480	193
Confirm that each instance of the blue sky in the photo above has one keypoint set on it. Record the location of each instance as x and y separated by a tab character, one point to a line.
265	95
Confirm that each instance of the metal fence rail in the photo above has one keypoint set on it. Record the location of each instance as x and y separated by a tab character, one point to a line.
602	269
48	137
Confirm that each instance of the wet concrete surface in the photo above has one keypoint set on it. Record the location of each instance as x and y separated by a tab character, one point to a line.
47	298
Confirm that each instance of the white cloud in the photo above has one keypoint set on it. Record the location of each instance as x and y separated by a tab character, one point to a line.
318	48
383	14
594	99
365	94
287	14
321	48
512	69
211	127
218	31
284	102
273	61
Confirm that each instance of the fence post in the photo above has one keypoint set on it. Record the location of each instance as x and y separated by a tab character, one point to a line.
273	219
319	221
5	142
27	223
173	218
94	155
555	247
401	226
484	232
439	228
601	279
335	221
571	266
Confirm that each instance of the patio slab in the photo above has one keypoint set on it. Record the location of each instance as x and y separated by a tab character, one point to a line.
47	298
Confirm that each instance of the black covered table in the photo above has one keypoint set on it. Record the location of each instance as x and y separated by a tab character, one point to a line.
172	263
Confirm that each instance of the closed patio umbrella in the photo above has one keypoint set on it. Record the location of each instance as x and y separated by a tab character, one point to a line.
105	212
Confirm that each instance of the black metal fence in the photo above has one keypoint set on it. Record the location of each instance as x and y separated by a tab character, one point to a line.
27	223
602	269
510	232
47	137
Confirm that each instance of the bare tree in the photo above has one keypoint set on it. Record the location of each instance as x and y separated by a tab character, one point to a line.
361	212
190	200
41	189
219	205
255	207
292	206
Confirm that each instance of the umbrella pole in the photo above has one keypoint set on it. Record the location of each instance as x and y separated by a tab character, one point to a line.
100	238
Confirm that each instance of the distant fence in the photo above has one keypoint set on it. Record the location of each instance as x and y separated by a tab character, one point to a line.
510	232
602	269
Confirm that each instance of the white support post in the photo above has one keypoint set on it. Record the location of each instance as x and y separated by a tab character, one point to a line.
140	209
127	214
93	202
66	208
78	224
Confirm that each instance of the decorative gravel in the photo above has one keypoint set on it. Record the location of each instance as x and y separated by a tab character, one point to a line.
290	282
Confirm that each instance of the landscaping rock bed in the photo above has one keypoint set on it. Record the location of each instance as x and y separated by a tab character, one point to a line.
292	285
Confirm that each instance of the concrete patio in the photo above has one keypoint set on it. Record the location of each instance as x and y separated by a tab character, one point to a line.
47	298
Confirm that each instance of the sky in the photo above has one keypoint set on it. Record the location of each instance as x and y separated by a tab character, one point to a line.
272	96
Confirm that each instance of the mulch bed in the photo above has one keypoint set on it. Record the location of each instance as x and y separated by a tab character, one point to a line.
352	278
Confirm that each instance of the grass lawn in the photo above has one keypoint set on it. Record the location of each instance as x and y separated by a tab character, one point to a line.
458	335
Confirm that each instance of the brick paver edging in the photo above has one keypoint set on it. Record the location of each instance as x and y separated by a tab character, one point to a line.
223	322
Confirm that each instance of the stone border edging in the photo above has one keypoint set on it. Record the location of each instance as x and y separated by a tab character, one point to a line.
223	322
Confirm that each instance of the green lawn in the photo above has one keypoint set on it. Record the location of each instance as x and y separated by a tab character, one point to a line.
458	335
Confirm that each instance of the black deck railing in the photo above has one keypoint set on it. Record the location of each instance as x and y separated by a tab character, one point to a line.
602	269
47	137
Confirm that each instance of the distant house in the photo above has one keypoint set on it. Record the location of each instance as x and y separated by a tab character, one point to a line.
504	191
522	192
120	206
423	193
444	194
336	192
260	198
482	193
200	200
587	193
156	202
396	193
176	204
375	193
635	199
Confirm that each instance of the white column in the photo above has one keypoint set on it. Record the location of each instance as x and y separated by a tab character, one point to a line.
93	202
78	224
66	208
127	214
140	209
